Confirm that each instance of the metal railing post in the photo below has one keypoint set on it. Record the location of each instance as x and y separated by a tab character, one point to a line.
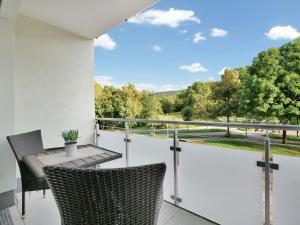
127	140
267	180
176	167
167	130
97	135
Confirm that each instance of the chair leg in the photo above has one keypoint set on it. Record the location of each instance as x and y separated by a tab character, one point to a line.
23	204
44	193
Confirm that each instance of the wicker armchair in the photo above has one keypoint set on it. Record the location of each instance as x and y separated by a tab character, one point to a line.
125	196
28	144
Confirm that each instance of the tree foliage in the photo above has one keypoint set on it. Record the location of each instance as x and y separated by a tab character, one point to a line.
196	97
271	85
225	93
125	102
187	113
151	106
167	104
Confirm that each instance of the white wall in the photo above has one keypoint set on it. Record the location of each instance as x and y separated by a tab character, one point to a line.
54	81
7	163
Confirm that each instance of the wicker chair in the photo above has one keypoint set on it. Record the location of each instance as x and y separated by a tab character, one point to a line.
125	196
28	144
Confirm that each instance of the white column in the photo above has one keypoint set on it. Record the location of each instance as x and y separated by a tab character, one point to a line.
7	118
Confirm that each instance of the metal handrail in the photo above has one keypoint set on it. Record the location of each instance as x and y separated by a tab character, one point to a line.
204	123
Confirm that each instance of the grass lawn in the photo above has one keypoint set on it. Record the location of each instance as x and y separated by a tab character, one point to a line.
289	137
232	136
235	136
171	116
246	129
185	131
208	130
257	147
187	136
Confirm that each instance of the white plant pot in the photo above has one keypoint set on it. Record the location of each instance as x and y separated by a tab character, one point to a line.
71	150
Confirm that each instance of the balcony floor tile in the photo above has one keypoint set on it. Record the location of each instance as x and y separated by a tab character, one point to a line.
44	211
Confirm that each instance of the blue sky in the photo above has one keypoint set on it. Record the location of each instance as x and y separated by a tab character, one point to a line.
177	42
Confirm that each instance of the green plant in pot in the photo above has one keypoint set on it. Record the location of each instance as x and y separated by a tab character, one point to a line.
71	138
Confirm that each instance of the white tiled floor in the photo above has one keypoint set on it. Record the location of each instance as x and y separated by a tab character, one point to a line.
41	211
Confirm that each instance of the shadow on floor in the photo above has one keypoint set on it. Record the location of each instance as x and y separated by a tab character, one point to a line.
38	209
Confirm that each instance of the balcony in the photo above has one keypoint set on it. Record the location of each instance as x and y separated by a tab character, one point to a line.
204	184
47	82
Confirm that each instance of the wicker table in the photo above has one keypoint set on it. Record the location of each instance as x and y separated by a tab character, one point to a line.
87	156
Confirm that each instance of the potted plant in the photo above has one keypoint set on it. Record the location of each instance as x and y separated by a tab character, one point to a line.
71	138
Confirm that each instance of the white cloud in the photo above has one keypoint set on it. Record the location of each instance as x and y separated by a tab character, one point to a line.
171	18
193	68
283	32
198	37
183	31
157	88
105	41
217	32
211	78
156	48
109	81
222	71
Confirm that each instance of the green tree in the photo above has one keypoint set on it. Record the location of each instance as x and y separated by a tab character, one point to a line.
167	104
197	96
151	106
225	94
131	105
271	86
186	97
118	103
289	84
98	91
201	107
187	113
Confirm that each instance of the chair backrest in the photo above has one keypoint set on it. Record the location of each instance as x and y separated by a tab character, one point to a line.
26	144
125	196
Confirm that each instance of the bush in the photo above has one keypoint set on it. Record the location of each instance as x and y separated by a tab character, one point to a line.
187	113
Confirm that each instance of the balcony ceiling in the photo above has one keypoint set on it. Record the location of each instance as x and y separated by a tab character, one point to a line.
88	18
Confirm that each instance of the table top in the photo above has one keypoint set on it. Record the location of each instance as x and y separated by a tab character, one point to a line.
87	156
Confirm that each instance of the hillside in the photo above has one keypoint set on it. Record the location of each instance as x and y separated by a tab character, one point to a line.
167	93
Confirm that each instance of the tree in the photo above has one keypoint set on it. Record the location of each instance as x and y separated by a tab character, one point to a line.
118	103
167	104
271	87
186	97
200	107
225	94
289	83
187	113
197	96
98	91
151	106
131	106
